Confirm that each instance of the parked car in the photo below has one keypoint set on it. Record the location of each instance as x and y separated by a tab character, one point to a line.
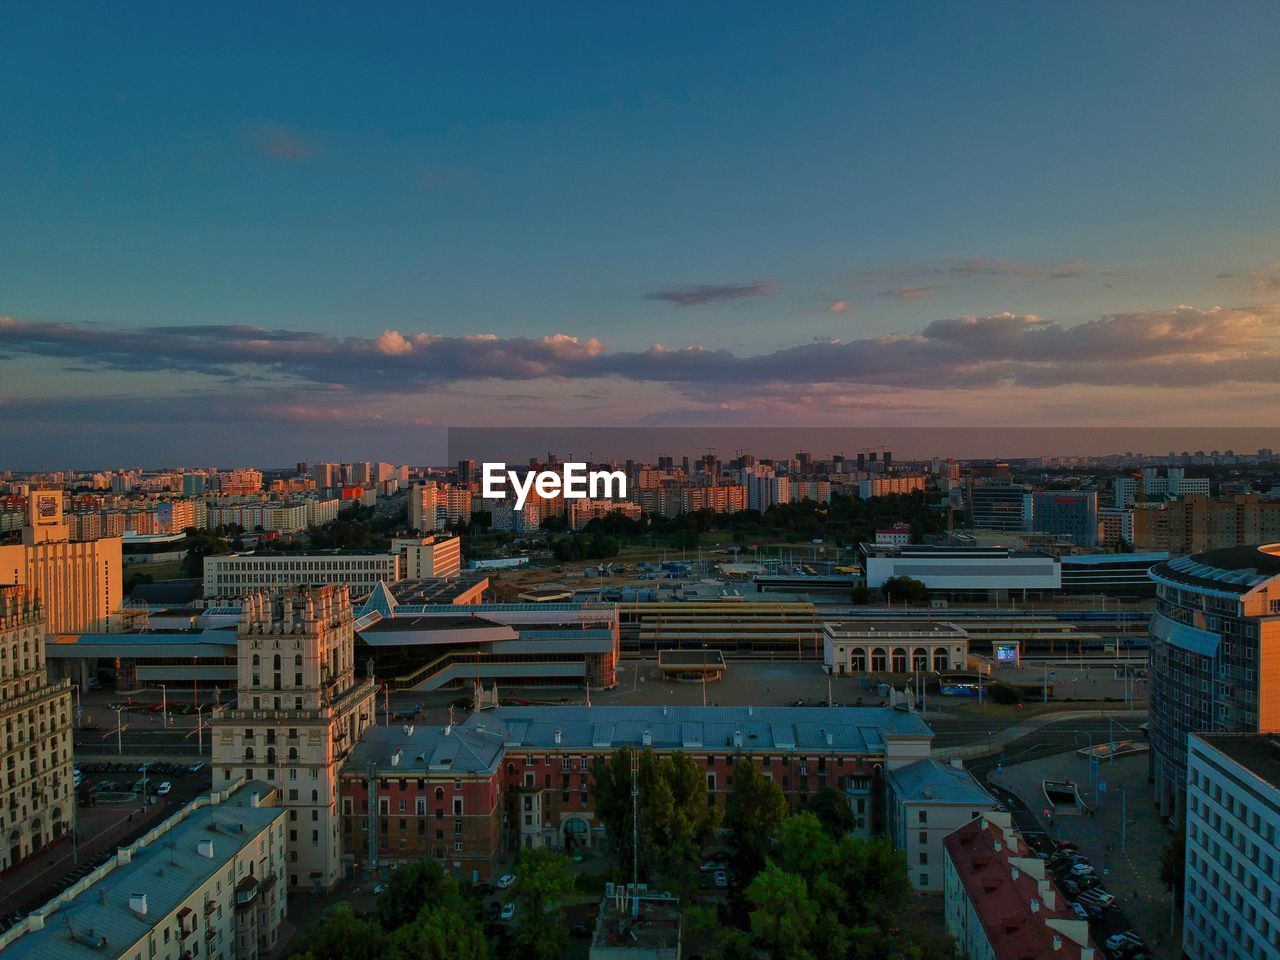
711	866
1081	870
1066	845
164	788
379	889
493	911
196	767
1127	942
508	911
1080	912
722	879
506	880
1099	897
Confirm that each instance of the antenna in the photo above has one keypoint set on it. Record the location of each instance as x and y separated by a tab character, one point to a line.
635	833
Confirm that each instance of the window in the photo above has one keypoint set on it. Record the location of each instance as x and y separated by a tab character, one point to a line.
924	816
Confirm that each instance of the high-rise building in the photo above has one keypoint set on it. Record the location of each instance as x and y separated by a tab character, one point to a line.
1072	514
77	583
999	504
37	796
1229	907
1215	656
428	557
766	489
300	708
1194	523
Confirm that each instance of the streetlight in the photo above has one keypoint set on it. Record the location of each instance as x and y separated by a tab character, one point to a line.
119	728
164	705
75	689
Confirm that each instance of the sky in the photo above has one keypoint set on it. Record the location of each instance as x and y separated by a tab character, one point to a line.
278	232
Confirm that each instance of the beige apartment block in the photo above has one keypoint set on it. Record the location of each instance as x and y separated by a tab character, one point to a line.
37	795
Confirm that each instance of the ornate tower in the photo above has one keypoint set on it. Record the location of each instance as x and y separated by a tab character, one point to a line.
300	709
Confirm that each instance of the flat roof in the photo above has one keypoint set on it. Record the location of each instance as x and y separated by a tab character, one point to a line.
1233	569
1259	753
897	626
167	870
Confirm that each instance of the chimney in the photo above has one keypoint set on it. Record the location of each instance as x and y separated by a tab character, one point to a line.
409	732
395	759
999	846
123	856
957	763
205	849
138	903
1035	905
558	736
1057	942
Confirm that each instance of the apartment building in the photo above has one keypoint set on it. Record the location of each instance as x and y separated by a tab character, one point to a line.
1231	907
37	795
925	802
435	506
430	557
869	487
1195	523
300	709
208	882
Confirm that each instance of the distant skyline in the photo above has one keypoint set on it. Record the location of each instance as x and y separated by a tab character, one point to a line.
283	233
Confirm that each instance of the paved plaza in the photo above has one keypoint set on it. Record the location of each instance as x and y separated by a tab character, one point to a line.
1124	849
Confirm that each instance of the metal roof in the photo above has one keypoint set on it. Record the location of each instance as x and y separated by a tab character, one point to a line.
167	870
932	781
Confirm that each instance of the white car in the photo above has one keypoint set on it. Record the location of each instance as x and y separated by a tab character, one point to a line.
508	911
379	889
1082	870
1129	937
506	880
1080	912
164	788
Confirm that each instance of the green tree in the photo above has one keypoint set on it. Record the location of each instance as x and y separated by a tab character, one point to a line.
755	808
544	877
439	933
904	590
341	935
804	847
784	919
831	807
200	544
414	884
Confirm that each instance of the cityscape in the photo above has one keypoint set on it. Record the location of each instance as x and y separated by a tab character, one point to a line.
702	483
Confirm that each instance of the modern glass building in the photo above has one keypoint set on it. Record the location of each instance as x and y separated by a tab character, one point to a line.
1215	656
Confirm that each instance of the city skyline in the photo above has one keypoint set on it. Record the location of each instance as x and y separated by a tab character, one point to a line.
223	246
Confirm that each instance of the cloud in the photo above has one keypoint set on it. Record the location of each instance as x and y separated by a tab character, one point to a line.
1180	347
909	294
838	306
701	294
287	146
984	266
1264	281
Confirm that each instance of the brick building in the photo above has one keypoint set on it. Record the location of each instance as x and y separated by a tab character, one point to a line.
520	777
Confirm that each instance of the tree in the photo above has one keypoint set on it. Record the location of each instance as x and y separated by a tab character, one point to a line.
861	594
544	877
674	816
904	590
804	847
341	935
414	884
200	544
439	933
831	807
755	808
783	917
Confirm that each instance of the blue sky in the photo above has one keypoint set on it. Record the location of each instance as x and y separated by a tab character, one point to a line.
746	178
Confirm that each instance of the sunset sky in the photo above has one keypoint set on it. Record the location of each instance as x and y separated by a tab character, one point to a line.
262	233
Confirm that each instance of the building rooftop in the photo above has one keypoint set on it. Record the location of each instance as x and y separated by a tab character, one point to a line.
1024	916
933	781
1259	753
419	749
428	590
940	627
860	730
653	933
166	867
1232	569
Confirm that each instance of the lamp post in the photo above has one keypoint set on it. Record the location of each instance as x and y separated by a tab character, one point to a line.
119	729
164	705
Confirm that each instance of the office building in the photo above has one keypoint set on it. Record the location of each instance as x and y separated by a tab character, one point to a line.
1001	903
300	709
1111	574
1230	906
999	504
895	646
37	795
207	882
1215	656
237	574
925	802
76	583
1230	903
1069	514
